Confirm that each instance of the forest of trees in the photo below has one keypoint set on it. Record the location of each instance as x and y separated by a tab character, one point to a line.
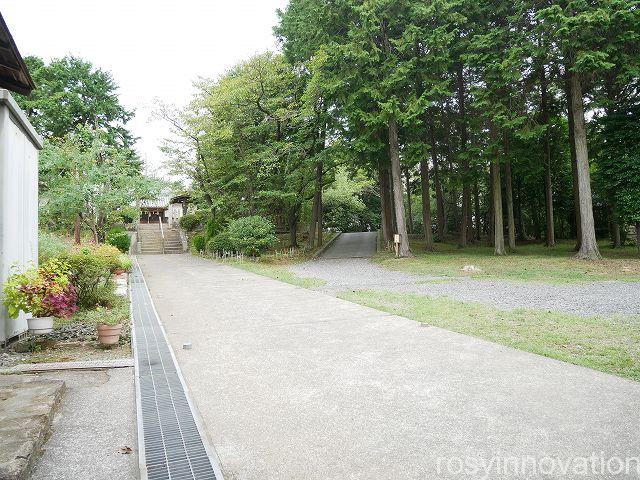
502	121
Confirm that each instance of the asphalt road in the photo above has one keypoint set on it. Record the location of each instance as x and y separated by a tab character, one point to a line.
352	245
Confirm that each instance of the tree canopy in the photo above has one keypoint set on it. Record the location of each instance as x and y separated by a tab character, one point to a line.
491	114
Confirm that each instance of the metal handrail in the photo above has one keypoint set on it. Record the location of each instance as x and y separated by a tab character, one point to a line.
162	233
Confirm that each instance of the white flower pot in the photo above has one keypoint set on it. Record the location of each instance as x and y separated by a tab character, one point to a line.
40	326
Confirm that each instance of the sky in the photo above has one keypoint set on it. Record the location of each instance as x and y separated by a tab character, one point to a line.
155	49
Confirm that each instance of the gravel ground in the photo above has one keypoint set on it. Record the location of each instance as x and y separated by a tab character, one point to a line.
596	298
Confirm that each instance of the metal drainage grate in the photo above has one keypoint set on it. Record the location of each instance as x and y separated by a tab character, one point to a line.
170	442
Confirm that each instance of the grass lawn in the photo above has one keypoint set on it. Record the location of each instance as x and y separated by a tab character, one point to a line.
276	268
611	345
531	262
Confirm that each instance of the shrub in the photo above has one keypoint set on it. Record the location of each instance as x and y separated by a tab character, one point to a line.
50	246
220	243
213	227
44	292
119	238
191	221
125	262
252	235
198	242
90	270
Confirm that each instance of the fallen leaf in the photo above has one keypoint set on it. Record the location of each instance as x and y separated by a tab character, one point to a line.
125	450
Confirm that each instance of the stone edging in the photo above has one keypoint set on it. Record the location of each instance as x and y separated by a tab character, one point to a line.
55	366
325	246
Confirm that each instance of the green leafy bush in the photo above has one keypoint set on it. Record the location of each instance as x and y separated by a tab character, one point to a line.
213	227
125	262
90	270
50	246
119	238
221	243
252	235
198	242
191	221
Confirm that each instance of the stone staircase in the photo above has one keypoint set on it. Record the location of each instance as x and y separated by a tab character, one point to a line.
152	243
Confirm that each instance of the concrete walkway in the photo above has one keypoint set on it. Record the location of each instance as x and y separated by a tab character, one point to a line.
352	245
295	384
96	419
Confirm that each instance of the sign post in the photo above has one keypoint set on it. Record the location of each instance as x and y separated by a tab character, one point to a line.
396	244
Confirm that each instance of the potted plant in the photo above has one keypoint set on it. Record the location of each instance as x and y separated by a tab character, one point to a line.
45	292
109	329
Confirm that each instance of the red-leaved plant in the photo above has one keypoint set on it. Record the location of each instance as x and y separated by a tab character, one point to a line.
44	292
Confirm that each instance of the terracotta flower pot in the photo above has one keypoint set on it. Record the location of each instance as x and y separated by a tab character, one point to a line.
40	325
109	334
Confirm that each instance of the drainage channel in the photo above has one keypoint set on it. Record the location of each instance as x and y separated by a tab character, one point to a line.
170	440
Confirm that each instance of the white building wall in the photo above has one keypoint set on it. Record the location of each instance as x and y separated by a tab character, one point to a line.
19	145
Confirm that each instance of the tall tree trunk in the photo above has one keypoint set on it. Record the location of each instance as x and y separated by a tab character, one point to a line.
409	209
100	228
535	217
511	224
574	166
320	220
496	190
490	214
588	245
440	219
638	236
466	191
520	230
76	230
426	205
385	205
498	228
293	229
476	197
396	177
550	239
615	234
317	199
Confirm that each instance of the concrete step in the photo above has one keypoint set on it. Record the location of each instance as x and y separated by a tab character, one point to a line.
26	413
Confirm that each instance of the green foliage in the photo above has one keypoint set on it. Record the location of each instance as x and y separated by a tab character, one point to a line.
90	270
191	221
221	243
252	235
213	227
255	138
43	291
119	238
343	207
619	163
125	261
50	246
73	93
92	182
118	313
199	242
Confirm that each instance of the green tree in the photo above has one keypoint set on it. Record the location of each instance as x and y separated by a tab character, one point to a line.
89	184
70	94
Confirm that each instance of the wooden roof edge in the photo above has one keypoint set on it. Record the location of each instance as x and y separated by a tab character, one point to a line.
28	85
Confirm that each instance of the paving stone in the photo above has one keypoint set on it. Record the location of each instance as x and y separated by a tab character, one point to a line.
27	406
